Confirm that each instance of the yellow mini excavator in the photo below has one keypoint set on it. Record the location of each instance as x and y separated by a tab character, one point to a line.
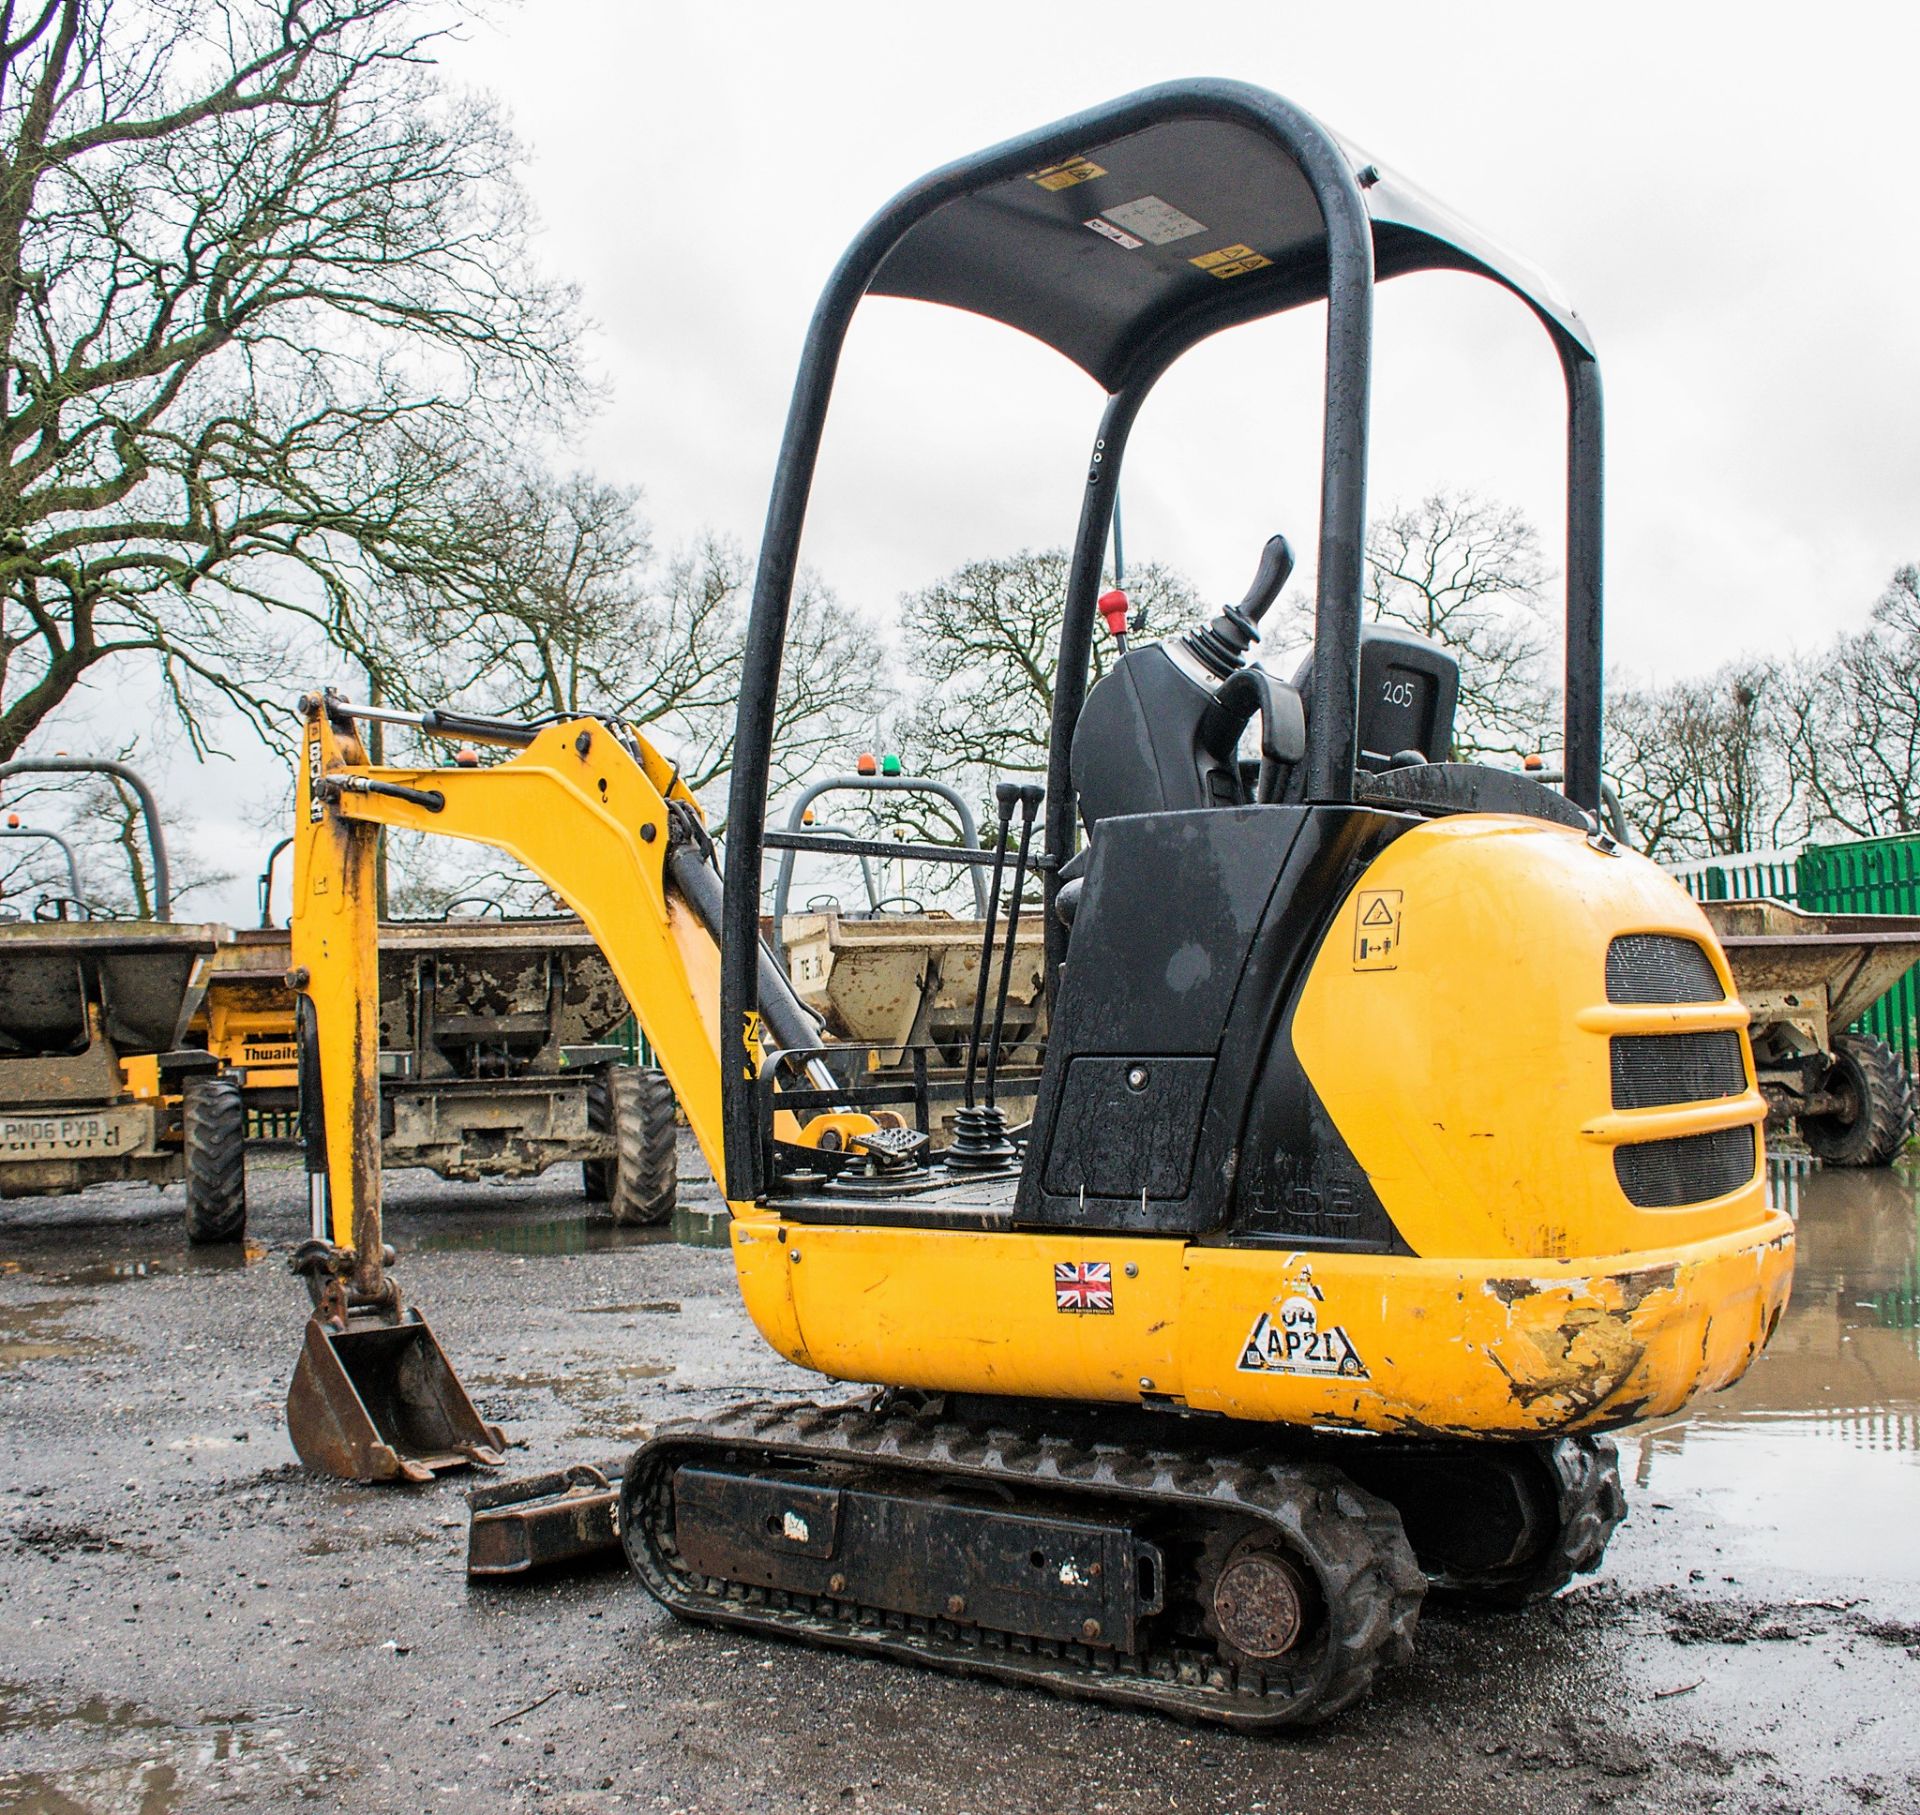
1397	1132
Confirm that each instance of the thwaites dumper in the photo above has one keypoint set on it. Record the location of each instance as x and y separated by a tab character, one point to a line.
1806	979
496	1060
496	1056
98	1079
900	979
246	1021
1397	1133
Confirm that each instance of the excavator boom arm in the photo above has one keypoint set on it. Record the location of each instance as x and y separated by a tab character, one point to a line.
579	811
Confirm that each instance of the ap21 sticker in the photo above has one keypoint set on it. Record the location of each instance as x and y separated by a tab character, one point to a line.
1293	1340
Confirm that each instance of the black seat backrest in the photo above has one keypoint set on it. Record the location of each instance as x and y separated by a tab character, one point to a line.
1409	688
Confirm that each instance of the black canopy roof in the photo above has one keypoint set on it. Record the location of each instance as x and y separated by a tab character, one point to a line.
1154	239
1119	237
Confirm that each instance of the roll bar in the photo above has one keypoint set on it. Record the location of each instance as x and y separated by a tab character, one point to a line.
872	784
266	882
66	850
149	808
1003	233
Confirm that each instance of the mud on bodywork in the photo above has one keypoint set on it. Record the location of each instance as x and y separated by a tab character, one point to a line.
1581	1348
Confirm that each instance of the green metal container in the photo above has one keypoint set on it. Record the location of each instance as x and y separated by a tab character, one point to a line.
1872	876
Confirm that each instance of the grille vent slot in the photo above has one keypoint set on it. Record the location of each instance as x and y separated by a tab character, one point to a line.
1651	1071
1661	1175
1660	967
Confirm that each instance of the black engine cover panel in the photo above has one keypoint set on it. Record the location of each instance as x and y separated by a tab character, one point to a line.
1128	1127
1193	936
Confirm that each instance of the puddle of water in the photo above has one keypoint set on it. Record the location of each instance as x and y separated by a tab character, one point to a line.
161	1266
592	1380
231	1743
558	1235
697	1228
1812	1461
13	1353
703	1227
23	1710
150	1789
32	1333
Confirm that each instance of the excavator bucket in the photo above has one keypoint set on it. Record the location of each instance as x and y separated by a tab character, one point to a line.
379	1401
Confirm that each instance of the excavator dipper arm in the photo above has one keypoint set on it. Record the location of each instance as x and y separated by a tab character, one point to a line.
581	809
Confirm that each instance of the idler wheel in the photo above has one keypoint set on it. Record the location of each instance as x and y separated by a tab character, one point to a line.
1261	1603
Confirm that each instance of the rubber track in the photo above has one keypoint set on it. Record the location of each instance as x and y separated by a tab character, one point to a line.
1592	1504
214	1128
1589	1504
1372	1583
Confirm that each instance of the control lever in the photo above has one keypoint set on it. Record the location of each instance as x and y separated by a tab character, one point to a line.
980	1141
1005	795
1276	567
1030	797
1221	648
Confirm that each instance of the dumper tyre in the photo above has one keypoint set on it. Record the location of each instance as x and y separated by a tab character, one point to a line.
213	1120
1869	1074
636	1106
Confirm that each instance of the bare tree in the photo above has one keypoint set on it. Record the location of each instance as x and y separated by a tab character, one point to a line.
1702	765
568	612
1467	572
1853	739
984	643
264	294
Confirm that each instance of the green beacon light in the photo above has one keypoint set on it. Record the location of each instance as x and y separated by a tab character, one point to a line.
889	765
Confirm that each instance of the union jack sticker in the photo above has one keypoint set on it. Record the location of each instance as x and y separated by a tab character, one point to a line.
1083	1285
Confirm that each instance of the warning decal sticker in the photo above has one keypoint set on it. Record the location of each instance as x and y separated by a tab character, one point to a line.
1231	261
1064	176
1293	1342
1376	929
1155	220
1119	235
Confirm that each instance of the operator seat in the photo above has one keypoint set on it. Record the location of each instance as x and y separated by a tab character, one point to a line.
1154	737
1409	690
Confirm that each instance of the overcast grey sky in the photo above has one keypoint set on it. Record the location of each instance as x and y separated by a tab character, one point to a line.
1725	193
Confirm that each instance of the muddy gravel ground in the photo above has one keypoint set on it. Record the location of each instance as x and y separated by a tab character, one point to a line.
192	1622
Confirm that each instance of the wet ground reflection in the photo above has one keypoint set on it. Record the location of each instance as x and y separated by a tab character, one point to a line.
1812	1461
585	1233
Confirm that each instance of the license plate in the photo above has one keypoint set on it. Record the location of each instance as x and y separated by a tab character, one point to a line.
54	1137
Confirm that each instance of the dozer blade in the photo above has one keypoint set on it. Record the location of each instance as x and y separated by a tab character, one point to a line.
379	1401
567	1515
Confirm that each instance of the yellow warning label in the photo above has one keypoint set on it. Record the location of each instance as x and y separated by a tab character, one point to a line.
1064	176
1231	261
1376	930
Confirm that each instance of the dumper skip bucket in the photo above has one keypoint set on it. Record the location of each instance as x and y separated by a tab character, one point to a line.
379	1401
